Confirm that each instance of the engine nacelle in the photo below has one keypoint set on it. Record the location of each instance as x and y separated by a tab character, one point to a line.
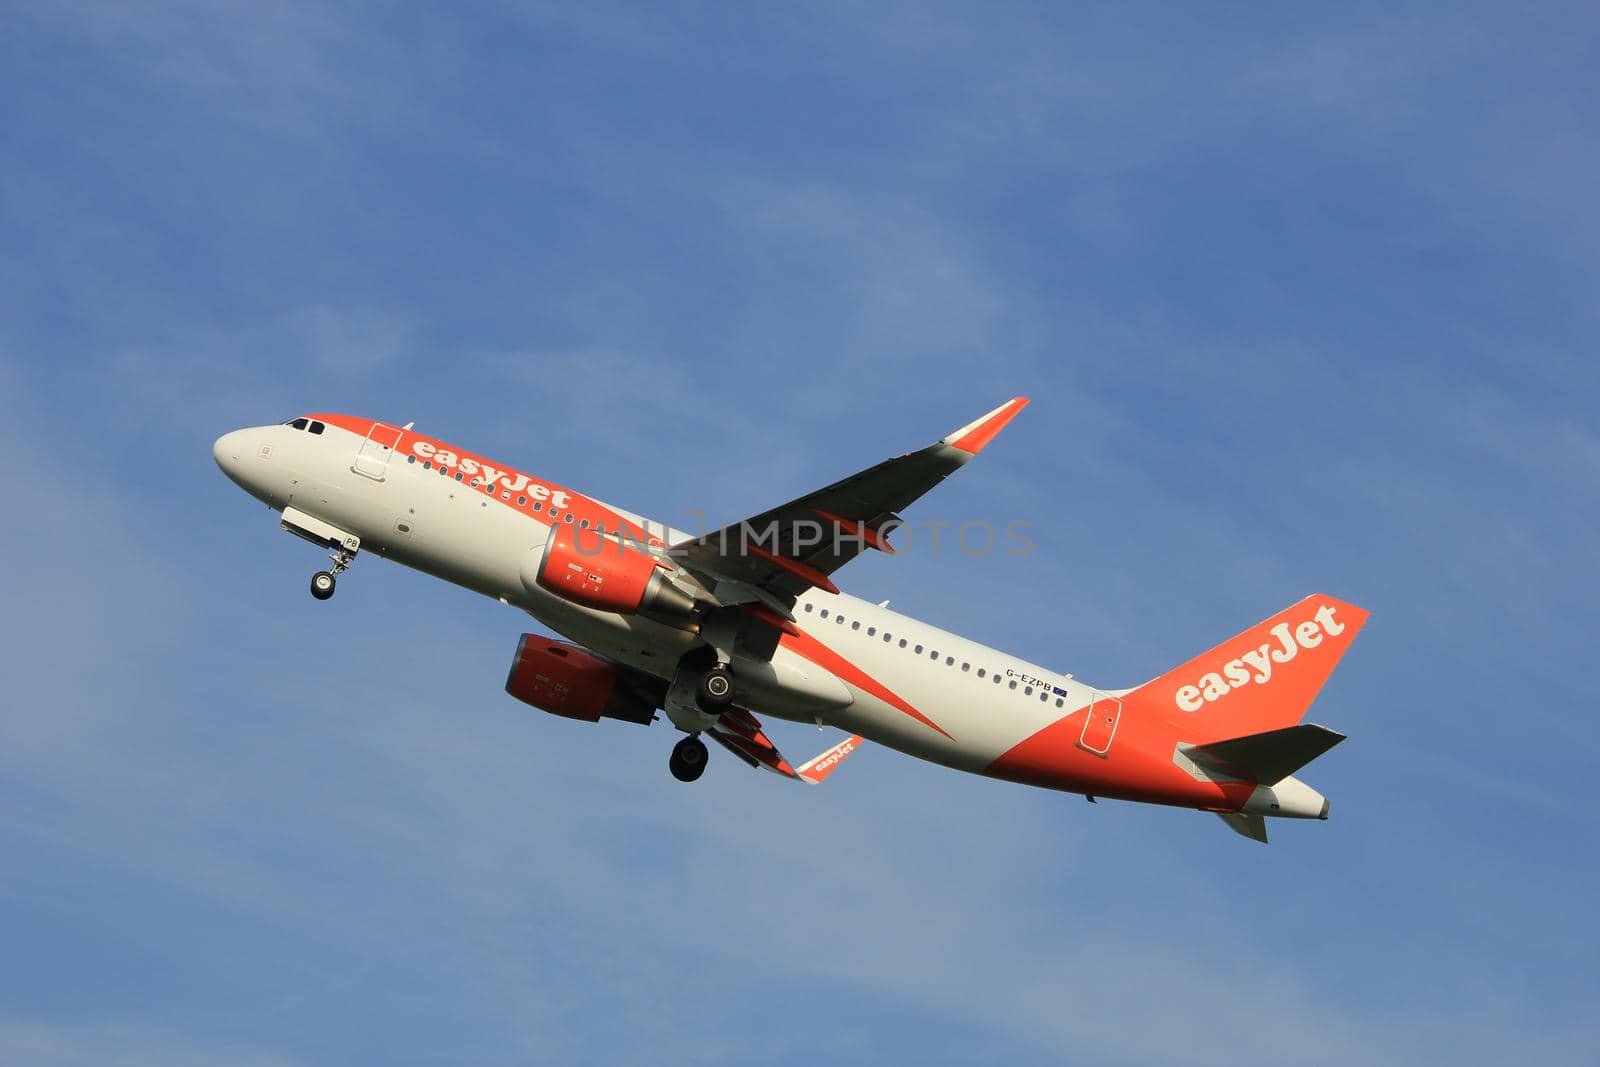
606	575
565	680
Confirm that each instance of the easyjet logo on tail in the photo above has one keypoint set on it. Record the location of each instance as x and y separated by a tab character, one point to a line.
1257	665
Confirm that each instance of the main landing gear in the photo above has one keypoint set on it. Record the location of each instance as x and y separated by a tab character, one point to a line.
714	692
701	691
688	760
323	583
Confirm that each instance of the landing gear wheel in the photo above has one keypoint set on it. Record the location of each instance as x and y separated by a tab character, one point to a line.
715	691
688	760
322	584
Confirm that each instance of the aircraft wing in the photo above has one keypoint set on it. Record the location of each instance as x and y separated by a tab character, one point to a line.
740	732
781	553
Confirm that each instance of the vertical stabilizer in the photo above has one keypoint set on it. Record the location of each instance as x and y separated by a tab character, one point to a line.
1264	679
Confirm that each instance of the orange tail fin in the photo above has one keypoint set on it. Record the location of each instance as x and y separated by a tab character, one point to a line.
1263	679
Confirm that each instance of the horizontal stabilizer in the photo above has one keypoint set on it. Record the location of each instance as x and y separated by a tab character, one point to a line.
1266	758
1252	826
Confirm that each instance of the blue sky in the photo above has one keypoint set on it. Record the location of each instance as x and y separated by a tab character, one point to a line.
1304	298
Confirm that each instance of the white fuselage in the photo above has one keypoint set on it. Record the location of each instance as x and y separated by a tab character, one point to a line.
1221	732
981	701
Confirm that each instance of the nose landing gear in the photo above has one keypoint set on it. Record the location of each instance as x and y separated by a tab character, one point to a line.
345	545
323	583
688	760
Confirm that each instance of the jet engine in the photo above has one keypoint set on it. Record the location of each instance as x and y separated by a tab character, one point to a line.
565	680
606	575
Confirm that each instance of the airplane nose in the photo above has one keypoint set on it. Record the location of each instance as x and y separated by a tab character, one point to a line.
229	452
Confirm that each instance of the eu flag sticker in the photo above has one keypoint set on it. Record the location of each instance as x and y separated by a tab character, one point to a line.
1058	691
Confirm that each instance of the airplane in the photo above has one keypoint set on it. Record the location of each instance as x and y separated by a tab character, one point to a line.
717	628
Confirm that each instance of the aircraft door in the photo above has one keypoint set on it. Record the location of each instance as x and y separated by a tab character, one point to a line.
1100	725
372	461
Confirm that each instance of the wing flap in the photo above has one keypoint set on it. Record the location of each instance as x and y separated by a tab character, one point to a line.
741	733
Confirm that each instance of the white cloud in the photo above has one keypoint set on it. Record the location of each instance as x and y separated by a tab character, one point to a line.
303	69
121	1044
355	342
909	283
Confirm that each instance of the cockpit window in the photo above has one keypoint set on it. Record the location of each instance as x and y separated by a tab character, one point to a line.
317	427
299	424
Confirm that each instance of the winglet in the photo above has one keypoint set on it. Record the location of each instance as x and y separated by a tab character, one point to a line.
813	771
974	435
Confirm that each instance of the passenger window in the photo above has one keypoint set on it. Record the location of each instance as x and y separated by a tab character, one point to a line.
1043	696
918	650
966	667
997	680
584	525
458	476
872	631
567	518
855	626
1013	683
933	656
1059	702
980	672
317	427
411	459
475	483
824	613
902	642
521	500
839	619
505	494
808	607
949	661
538	505
299	424
1027	690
